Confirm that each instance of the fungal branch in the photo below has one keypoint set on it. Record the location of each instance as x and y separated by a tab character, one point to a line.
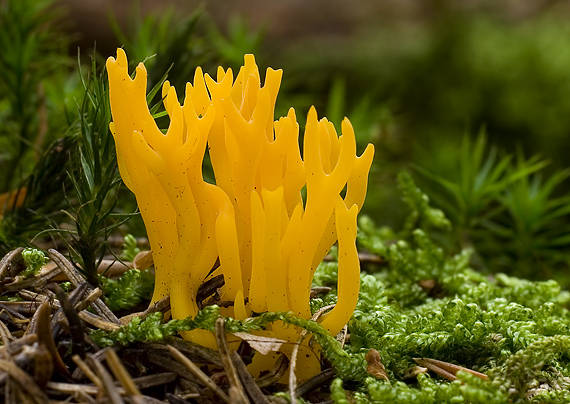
268	240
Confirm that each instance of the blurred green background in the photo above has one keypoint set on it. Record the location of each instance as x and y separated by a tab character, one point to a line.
414	77
471	97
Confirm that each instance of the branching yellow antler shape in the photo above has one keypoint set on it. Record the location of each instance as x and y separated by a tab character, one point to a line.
268	240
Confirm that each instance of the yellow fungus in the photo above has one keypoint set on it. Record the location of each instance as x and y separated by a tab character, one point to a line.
254	220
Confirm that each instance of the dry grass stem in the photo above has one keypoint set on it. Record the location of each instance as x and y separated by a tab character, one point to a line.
87	371
162	305
275	374
446	369
315	382
121	373
248	381
26	383
97	321
231	373
90	298
295	352
76	279
197	372
112	392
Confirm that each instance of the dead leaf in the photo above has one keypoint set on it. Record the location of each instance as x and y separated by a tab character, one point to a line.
375	366
261	344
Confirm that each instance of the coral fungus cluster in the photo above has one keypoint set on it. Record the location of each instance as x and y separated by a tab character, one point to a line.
267	237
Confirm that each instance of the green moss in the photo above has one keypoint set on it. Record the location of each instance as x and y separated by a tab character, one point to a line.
133	287
423	301
338	395
34	259
130	249
428	302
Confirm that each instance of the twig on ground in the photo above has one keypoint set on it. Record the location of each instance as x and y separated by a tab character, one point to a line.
248	381
239	394
295	352
11	263
75	326
26	383
40	325
87	371
446	369
162	305
276	373
108	385
5	334
197	372
122	375
315	382
208	288
196	353
97	321
76	279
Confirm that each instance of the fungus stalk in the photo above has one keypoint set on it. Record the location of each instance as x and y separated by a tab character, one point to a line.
268	240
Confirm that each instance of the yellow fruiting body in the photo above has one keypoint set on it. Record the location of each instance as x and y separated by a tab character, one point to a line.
268	240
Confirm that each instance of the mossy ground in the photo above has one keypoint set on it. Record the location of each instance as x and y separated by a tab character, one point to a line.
434	288
424	302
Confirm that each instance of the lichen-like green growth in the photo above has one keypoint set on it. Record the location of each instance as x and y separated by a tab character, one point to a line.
338	395
130	289
152	329
34	259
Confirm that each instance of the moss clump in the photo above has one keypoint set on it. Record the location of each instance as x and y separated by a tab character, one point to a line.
34	260
132	288
424	301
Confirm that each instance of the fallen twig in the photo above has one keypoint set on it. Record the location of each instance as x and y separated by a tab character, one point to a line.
108	385
10	262
248	381
122	375
26	383
87	371
239	393
76	278
295	352
201	376
446	369
196	353
97	321
315	381
161	305
75	325
45	337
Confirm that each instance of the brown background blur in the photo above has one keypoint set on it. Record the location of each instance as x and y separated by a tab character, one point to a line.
289	21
